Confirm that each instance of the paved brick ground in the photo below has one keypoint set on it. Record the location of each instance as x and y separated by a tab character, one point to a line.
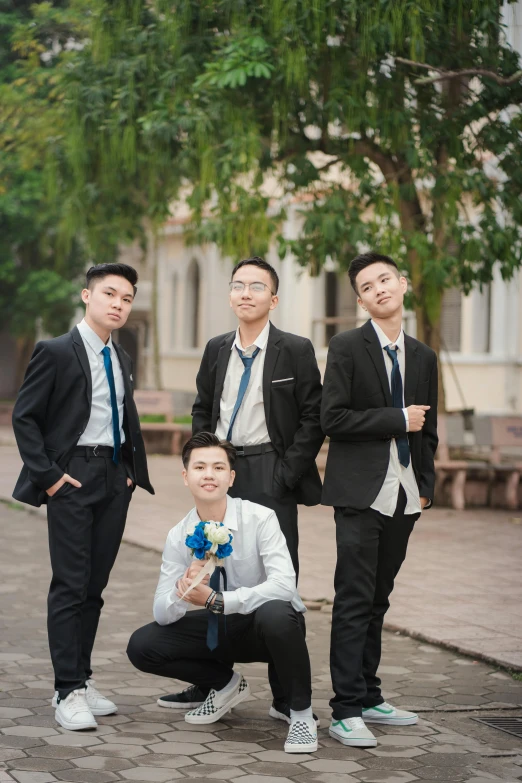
146	743
460	584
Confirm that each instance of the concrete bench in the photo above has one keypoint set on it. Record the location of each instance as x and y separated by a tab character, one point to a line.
451	433
161	437
503	437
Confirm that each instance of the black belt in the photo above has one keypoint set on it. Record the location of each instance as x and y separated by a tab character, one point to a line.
93	451
250	451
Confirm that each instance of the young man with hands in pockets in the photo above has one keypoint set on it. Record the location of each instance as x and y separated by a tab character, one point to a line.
78	433
379	409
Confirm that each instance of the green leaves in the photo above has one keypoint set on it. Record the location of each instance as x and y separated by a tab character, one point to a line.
235	61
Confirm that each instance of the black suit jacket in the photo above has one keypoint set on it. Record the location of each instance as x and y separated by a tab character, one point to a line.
53	409
358	415
292	407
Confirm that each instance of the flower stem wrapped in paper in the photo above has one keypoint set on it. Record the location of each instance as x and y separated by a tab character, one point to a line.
210	541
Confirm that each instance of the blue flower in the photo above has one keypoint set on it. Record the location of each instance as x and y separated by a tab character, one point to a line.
198	542
224	550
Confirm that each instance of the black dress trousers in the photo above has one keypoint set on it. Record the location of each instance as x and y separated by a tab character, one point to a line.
86	526
256	480
273	633
371	548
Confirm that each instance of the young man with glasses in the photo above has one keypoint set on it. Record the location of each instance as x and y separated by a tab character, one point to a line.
260	388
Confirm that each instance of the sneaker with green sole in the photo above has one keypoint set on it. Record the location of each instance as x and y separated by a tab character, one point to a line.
387	715
352	731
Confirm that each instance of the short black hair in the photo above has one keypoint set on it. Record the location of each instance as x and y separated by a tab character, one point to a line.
262	264
367	259
100	271
207	440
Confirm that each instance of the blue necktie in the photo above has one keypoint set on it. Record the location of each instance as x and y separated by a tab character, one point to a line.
114	404
213	619
403	446
243	385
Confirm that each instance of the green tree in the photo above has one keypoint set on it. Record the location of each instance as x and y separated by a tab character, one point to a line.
36	281
397	124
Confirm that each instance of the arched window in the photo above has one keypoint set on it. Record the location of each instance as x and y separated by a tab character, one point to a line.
191	318
340	305
173	311
450	319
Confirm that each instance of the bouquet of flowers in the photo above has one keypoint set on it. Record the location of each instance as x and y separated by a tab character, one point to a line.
210	541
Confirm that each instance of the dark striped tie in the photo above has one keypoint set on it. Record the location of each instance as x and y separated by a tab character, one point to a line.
403	447
114	404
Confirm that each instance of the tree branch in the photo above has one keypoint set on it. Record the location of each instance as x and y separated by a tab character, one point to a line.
443	74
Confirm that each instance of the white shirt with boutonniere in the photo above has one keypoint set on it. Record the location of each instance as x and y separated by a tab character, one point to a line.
258	570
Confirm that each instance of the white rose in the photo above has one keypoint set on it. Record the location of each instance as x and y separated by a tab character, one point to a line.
216	533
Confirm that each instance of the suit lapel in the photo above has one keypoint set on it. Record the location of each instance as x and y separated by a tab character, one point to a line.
81	353
272	354
221	371
374	348
412	370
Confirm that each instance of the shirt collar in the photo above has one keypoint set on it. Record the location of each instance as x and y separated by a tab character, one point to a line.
260	341
230	519
90	337
385	341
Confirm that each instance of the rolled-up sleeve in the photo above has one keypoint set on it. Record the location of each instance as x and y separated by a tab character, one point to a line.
176	559
280	583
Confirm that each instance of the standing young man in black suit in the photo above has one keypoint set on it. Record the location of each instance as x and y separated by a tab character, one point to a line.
260	388
79	437
379	408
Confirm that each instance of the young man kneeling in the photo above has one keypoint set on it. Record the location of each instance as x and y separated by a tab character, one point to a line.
264	614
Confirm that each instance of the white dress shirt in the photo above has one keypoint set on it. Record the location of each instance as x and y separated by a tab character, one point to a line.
258	570
98	431
250	424
386	500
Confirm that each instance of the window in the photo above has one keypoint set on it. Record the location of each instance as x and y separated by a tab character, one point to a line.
191	315
450	325
173	311
340	305
481	320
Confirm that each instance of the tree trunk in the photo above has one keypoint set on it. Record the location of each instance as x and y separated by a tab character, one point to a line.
24	349
428	332
156	360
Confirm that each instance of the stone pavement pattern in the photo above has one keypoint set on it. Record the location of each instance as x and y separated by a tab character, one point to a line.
460	584
146	743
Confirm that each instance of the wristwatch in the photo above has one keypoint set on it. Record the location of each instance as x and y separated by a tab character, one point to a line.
218	605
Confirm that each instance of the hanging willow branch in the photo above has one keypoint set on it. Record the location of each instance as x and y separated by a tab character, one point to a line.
443	74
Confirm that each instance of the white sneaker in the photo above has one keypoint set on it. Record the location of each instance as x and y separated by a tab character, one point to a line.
218	704
73	712
97	703
302	736
389	716
352	731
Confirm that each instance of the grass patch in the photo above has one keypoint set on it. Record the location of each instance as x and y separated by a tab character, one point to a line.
160	418
12	505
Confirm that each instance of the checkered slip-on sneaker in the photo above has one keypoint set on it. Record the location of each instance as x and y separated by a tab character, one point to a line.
281	711
388	715
302	737
218	704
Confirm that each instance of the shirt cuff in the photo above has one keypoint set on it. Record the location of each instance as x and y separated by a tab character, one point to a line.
230	602
405	411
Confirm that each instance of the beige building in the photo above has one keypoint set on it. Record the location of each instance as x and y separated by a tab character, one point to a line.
482	332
